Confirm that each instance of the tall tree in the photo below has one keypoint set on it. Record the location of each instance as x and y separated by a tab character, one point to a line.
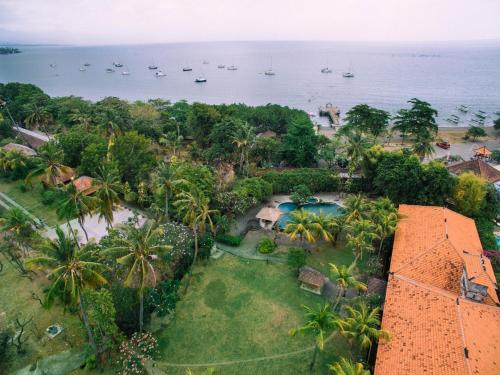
367	119
345	278
469	193
38	118
357	207
72	269
108	187
301	225
194	208
362	326
418	121
320	323
168	179
300	144
244	139
49	167
423	146
138	250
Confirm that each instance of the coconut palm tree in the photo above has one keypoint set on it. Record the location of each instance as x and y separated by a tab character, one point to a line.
356	146
167	178
423	146
347	367
356	207
362	326
72	269
301	225
244	139
361	234
49	168
11	160
320	322
38	118
194	208
385	225
18	225
344	277
76	204
81	119
384	204
139	250
108	187
358	245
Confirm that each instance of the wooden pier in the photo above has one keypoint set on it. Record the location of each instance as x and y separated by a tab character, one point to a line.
332	112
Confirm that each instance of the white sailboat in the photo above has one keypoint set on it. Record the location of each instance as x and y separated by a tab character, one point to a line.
232	66
159	73
270	71
82	69
125	72
349	73
200	79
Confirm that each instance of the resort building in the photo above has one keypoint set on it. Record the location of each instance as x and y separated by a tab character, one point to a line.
34	138
84	185
441	304
478	167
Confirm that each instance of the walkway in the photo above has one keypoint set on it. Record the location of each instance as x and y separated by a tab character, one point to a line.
7	203
58	364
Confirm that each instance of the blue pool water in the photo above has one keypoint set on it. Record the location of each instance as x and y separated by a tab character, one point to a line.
327	208
498	242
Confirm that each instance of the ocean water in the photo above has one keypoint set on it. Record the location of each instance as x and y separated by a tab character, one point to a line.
386	76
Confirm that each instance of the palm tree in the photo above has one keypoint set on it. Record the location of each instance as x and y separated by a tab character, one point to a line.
361	234
345	278
301	225
38	118
362	325
50	169
108	187
423	146
347	367
19	225
168	179
324	226
244	140
72	269
384	204
356	207
357	144
81	119
11	160
319	322
194	208
385	225
138	251
76	204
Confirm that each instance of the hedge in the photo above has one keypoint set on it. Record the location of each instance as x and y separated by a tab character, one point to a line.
228	239
316	179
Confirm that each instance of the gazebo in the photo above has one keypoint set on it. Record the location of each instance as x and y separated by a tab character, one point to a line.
482	153
268	216
84	185
311	280
25	150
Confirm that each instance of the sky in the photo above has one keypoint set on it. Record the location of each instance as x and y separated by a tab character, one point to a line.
91	22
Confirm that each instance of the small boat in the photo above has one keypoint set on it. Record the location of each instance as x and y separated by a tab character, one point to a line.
152	67
110	70
463	108
125	73
86	64
52	65
452	120
221	66
117	65
232	67
187	69
82	69
200	80
159	73
326	69
205	62
349	73
480	115
270	72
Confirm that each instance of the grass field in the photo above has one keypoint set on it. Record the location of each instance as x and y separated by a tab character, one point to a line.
237	310
31	201
16	301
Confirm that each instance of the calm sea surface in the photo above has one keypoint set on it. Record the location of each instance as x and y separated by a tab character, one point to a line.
386	76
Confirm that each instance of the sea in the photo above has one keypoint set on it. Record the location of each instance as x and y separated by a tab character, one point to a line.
386	76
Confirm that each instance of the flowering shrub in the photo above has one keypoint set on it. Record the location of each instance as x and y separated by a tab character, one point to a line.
134	353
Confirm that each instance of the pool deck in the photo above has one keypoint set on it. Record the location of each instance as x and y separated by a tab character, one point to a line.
337	198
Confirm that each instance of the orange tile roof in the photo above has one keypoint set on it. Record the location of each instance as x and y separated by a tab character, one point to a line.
84	185
435	330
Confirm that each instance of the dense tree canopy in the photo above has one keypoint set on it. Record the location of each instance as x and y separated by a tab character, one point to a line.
300	144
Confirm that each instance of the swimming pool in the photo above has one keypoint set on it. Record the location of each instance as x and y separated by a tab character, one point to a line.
327	208
498	242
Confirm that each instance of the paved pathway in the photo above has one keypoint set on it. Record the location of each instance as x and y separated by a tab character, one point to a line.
58	364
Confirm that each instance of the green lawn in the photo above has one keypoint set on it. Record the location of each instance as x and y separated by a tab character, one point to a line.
31	201
16	301
238	310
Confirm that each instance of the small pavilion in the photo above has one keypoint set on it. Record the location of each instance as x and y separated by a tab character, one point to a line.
84	185
482	153
311	280
268	217
25	150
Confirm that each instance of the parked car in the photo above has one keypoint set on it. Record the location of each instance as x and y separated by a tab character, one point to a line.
444	144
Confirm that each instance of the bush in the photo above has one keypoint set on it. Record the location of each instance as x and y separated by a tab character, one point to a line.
228	239
164	297
475	132
296	257
316	179
495	156
300	194
205	243
486	229
266	245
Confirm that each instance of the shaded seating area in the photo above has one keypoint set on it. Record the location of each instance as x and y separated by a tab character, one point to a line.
311	280
268	216
482	153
